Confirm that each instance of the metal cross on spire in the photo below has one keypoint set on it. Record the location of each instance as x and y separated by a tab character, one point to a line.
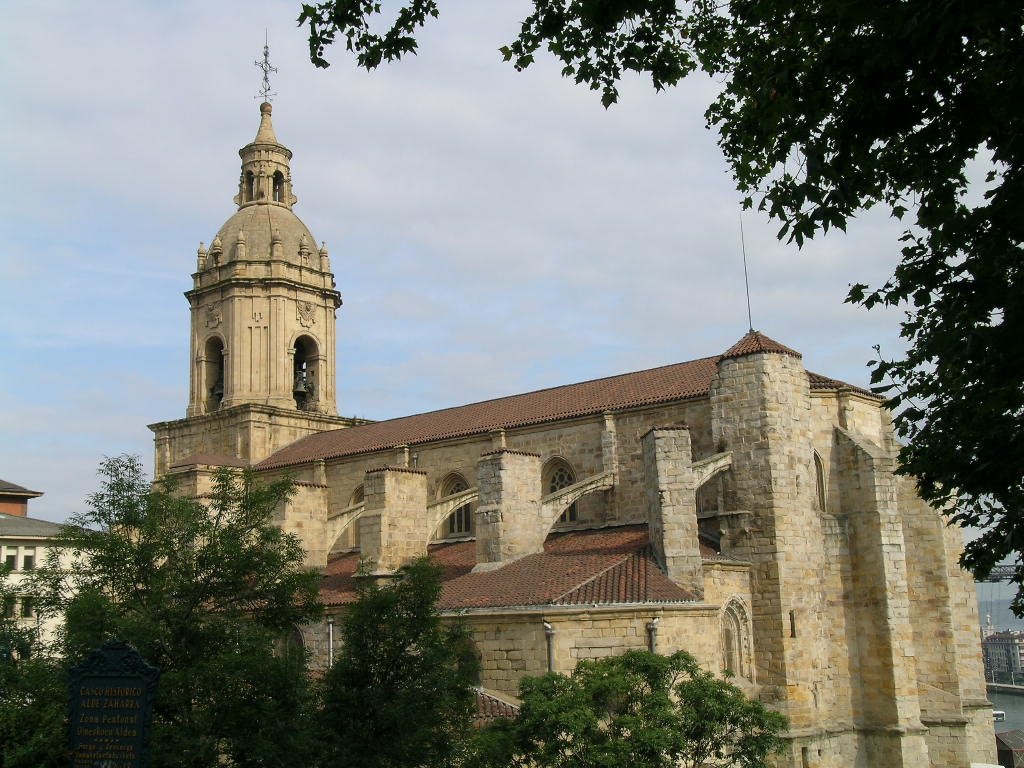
265	92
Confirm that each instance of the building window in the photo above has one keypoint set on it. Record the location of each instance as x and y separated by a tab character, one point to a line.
736	640
304	388
213	373
8	607
560	475
819	482
460	522
27	609
11	561
28	561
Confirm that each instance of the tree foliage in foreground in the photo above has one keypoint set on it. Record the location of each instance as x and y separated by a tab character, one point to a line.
829	108
204	589
33	694
400	692
638	710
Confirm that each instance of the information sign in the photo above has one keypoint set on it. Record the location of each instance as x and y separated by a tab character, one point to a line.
112	695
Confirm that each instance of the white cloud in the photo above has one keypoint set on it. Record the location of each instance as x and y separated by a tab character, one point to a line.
491	231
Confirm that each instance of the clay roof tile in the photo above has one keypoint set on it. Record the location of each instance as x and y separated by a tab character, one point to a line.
754	342
669	383
603	566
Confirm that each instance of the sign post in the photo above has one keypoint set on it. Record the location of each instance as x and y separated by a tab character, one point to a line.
112	695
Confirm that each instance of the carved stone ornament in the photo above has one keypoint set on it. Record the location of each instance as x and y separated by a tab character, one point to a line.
306	313
213	315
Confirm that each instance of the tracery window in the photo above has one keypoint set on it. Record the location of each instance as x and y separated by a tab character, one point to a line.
460	522
358	496
559	476
736	652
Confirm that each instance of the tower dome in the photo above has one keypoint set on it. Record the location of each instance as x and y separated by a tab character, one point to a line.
265	227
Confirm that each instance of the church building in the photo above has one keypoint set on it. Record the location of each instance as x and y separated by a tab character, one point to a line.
738	506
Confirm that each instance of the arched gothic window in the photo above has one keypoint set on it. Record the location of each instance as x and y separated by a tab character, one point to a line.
460	522
558	475
358	496
819	482
736	651
250	187
278	187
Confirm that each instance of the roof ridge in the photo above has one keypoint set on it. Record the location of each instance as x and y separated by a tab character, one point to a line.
598	575
533	392
687	370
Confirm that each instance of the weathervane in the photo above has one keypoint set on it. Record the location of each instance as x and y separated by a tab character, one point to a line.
265	92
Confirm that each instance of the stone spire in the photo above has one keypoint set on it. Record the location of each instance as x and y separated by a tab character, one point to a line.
265	135
266	175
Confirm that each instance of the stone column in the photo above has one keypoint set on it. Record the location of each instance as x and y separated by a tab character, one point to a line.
671	489
509	524
393	527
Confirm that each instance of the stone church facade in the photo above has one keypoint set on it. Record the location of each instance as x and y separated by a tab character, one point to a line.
737	506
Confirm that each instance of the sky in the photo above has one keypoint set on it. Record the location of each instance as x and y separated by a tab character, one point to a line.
491	232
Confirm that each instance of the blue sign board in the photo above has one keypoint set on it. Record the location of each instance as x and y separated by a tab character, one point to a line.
112	695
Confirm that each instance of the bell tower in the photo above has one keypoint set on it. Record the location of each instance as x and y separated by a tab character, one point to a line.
263	302
263	298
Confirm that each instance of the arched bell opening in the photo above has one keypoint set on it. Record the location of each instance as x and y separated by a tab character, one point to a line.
250	187
278	187
305	387
213	373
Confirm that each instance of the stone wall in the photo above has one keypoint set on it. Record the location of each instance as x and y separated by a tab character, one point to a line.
509	518
392	530
247	432
886	695
514	644
584	443
761	412
671	489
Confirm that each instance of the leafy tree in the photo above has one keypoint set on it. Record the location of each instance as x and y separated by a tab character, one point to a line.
202	588
828	108
639	710
400	692
33	694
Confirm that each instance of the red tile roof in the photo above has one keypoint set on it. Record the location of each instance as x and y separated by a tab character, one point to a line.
490	708
669	383
754	342
604	566
817	381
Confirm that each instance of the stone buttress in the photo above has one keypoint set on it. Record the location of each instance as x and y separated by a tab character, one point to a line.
760	405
